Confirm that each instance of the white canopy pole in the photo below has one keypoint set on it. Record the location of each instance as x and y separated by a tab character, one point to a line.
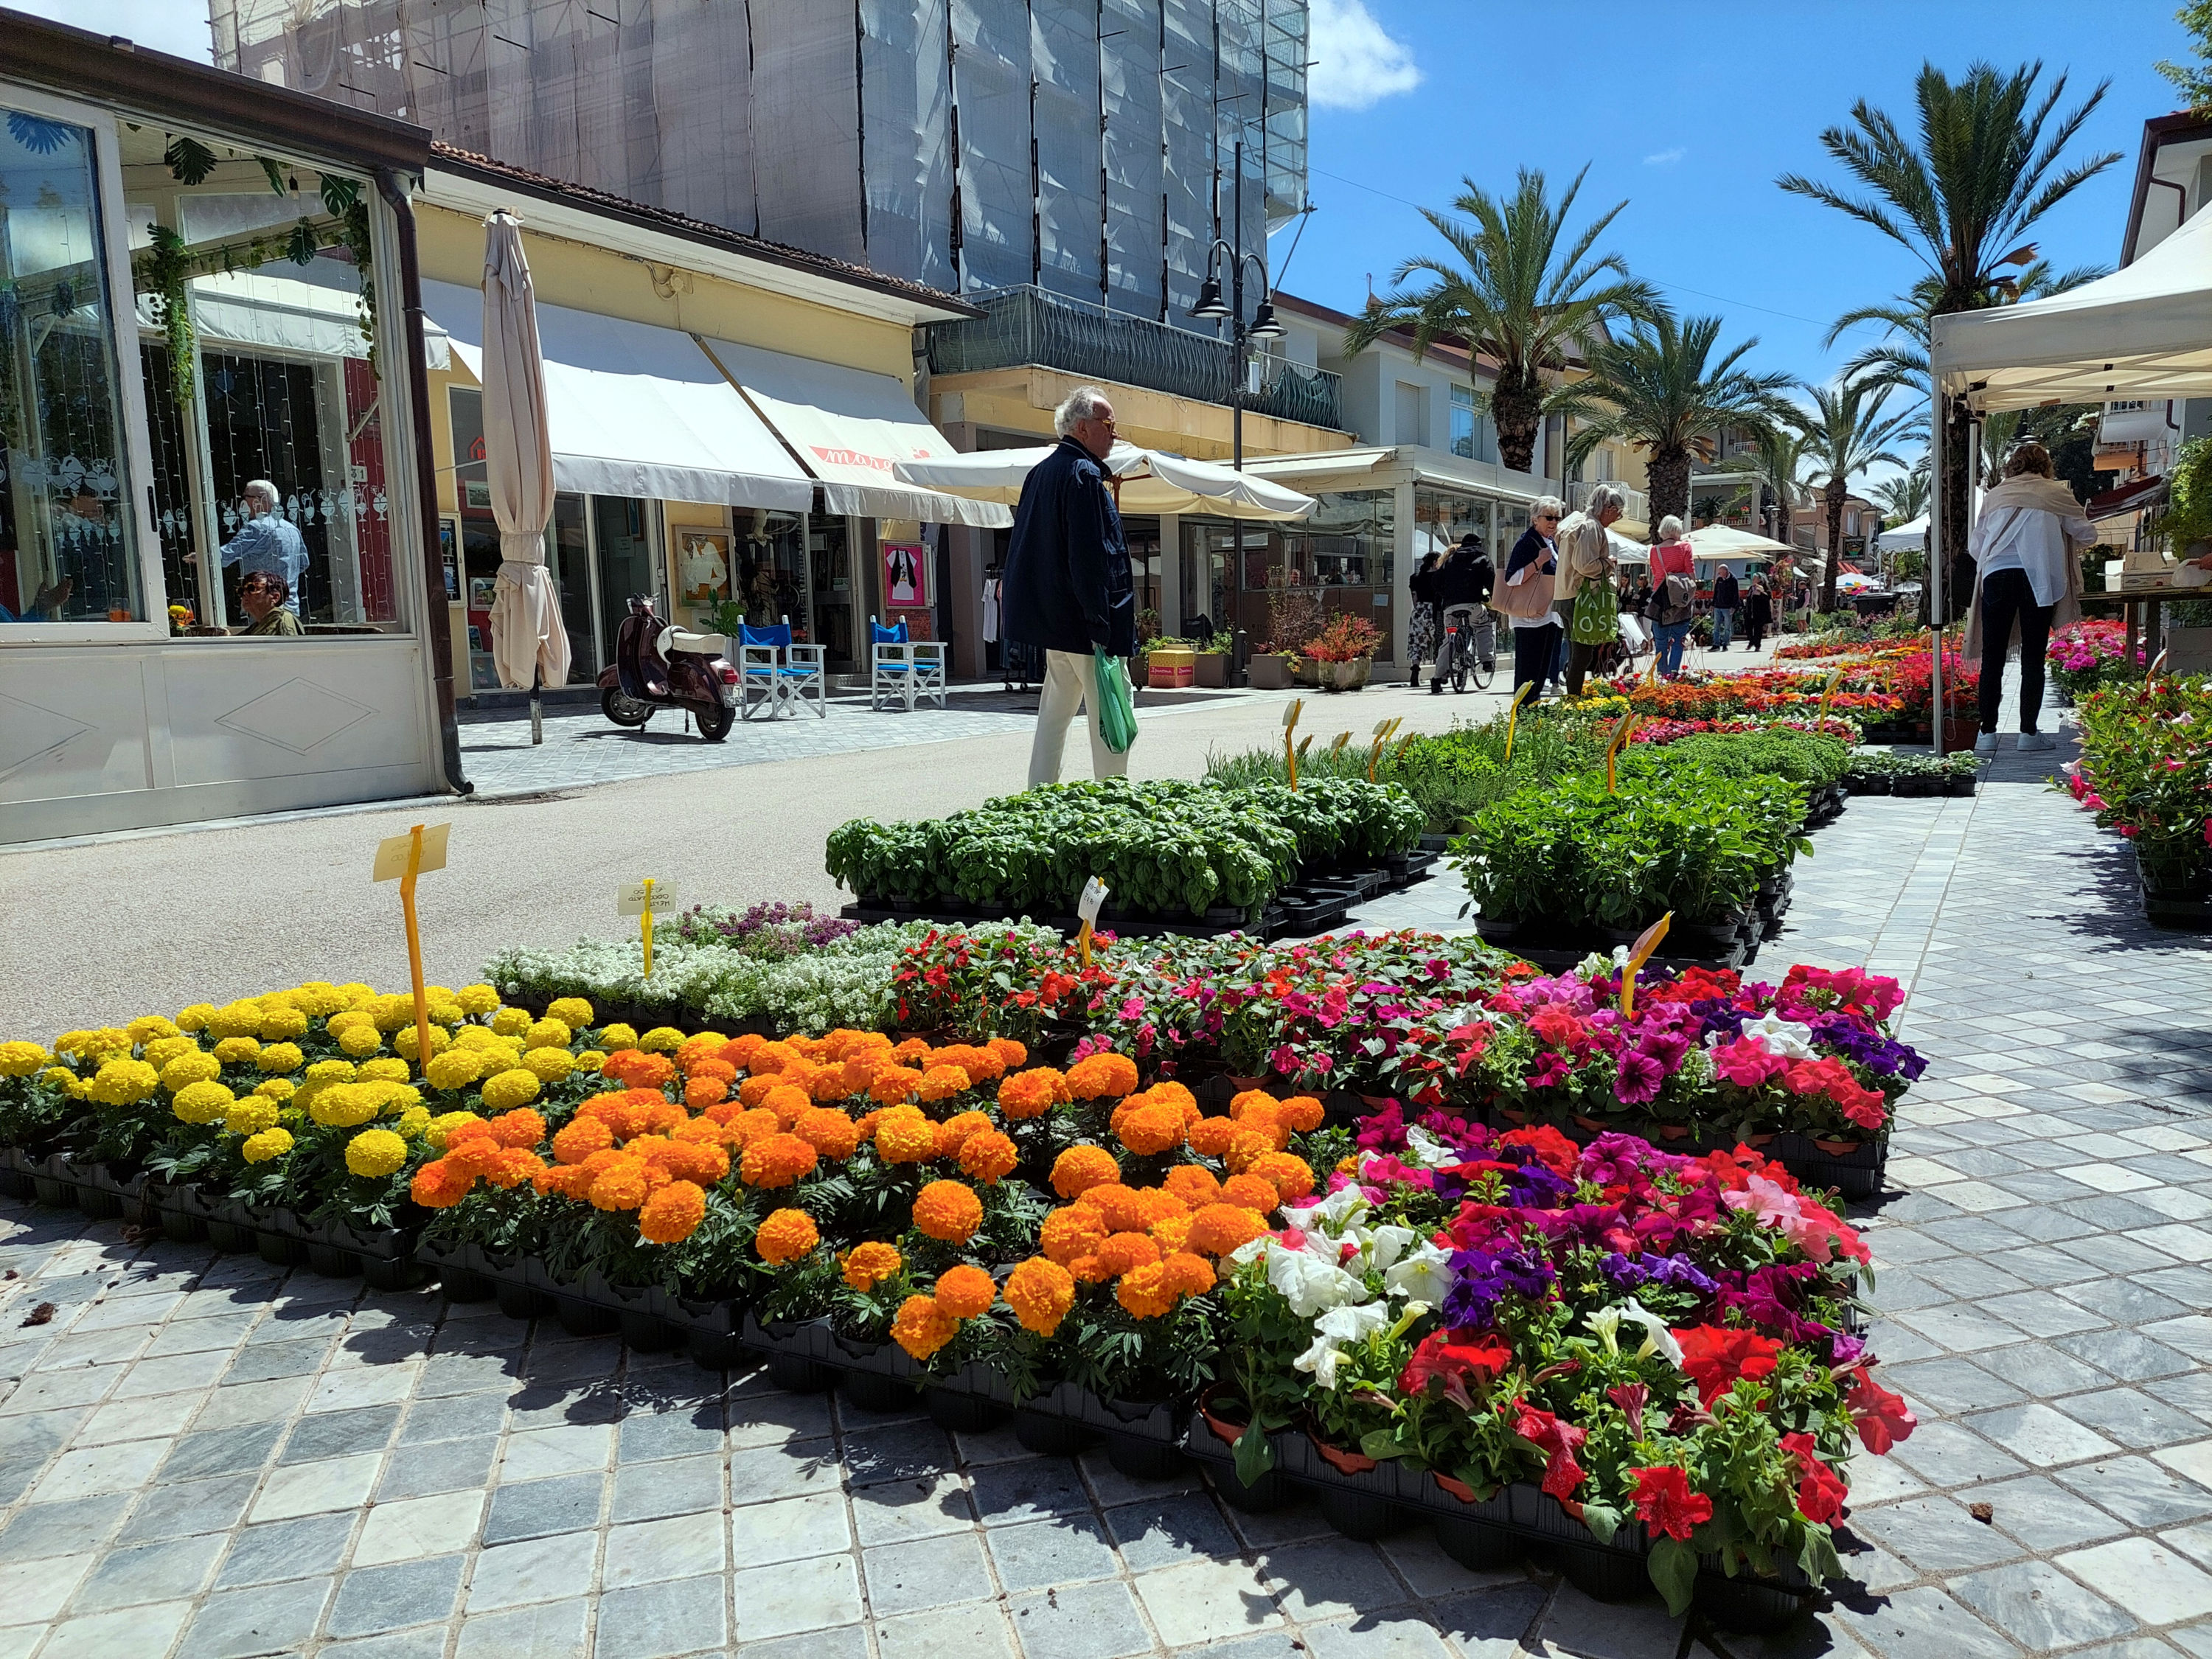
1936	527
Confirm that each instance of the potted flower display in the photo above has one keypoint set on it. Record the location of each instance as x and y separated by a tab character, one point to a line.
1210	670
1339	657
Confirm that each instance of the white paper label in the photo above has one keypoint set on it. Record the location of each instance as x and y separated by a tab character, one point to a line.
1094	894
630	897
391	853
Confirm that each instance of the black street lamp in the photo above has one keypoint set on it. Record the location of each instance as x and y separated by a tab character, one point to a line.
1211	307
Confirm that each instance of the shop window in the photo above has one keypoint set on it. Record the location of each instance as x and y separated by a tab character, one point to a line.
624	531
1142	532
769	557
1340	560
69	519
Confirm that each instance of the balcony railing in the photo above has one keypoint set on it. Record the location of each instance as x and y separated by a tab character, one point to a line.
1025	325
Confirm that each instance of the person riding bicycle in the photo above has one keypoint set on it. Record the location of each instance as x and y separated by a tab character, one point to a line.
1464	583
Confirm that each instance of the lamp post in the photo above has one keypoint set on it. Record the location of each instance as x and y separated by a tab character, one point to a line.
1210	306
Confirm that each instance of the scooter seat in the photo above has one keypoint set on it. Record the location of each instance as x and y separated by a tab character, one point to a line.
705	644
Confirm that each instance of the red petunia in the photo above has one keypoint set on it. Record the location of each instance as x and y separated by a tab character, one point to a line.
1558	1441
1883	1418
1715	1358
1820	1491
1665	1503
1468	1365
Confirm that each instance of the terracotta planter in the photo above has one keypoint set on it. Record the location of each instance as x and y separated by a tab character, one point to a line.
1595	1126
1343	1461
1513	1116
1759	1141
1268	674
1458	1489
1673	1132
1838	1148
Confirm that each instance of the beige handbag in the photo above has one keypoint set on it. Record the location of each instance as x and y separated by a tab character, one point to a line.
1529	598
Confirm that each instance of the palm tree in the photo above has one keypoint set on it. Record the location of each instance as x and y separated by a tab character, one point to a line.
1844	434
2050	425
1776	460
1961	195
1901	357
1520	291
1659	388
1905	497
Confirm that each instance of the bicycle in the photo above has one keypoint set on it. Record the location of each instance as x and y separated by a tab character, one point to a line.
1470	650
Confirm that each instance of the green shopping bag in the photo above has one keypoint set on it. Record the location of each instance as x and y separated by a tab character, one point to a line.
1117	710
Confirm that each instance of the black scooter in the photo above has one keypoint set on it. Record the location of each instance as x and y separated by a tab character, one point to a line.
659	665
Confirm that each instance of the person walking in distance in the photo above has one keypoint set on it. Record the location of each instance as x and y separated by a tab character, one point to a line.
1758	613
1068	590
1524	594
1725	595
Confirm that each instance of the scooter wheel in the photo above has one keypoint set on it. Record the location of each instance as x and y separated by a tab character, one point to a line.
623	710
716	725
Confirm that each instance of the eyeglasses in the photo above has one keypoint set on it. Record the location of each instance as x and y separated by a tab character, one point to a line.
1547	518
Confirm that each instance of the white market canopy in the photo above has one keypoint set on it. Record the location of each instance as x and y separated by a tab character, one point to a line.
1912	534
1152	480
2145	331
1717	543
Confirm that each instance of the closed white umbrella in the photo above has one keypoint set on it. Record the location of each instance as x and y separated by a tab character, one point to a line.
529	644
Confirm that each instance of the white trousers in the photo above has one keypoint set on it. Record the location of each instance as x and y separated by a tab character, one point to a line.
1071	684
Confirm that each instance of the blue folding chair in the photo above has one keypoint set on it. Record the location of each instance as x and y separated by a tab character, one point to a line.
907	670
775	675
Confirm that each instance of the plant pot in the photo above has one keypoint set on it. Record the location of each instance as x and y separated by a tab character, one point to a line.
1347	675
1268	672
1210	671
460	1282
797	1352
1212	1440
1959	733
1674	1131
1143	1436
1765	1138
1838	1148
1050	1425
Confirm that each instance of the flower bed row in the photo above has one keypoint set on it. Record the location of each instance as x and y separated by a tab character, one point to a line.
2146	770
1637	1356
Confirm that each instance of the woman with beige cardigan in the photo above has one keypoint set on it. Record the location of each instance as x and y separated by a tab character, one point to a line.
1587	596
2026	541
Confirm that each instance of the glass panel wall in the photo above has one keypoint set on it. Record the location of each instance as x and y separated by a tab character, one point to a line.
1443	516
624	532
1340	561
1209	589
1142	532
770	556
829	571
568	559
69	537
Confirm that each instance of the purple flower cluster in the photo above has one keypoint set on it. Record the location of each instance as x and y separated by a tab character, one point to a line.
1485	1278
1881	1056
1675	1272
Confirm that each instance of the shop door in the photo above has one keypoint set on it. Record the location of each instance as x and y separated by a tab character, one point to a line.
265	420
624	529
830	561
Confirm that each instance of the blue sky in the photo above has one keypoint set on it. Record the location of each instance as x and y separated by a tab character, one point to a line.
1689	115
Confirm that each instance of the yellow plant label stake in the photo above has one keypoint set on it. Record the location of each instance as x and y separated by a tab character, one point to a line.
1826	694
1086	908
1290	725
1620	741
639	899
1383	730
1637	956
403	858
1513	717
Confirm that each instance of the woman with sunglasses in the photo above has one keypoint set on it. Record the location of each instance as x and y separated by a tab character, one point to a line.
264	593
1524	595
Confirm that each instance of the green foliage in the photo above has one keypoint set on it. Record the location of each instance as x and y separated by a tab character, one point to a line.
2189	512
190	161
2193	81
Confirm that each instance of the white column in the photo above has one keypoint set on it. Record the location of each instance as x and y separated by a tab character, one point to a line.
1402	576
1172	608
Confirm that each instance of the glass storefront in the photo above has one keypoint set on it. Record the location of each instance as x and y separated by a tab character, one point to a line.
830	572
626	533
1142	532
768	555
1340	561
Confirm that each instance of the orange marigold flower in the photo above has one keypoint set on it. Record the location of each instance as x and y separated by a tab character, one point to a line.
1145	1292
1151	1130
989	1157
1250	1193
922	1327
1186	1274
739	1051
775	1160
1245	1100
1119	1206
948	1210
636	1069
1078	1168
828	1084
754	1125
965	1292
1193	1183
1102	1077
893	1084
515	1165
672	1214
703	1091
1011	1053
624	1185
905	1137
1210	1136
868	1265
754	1090
1040	1292
771	1057
828	1131
787	1101
1290	1175
1074	1231
714	1066
910	1050
519	1128
858	1071
785	1236
1217	1229
477	1156
1158	1204
1123	1252
1170	1232
1168	1092
954	1131
439	1185
1030	1094
702	1162
1302	1113
1245	1146
706	1045
942	1083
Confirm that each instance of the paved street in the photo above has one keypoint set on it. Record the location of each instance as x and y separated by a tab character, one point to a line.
203	1451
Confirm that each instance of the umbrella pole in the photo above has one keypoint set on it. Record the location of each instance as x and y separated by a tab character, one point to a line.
537	709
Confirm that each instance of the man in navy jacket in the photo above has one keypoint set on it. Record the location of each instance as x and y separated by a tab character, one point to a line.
1068	590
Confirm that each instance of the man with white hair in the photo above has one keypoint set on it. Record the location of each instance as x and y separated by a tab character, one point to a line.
268	542
1068	590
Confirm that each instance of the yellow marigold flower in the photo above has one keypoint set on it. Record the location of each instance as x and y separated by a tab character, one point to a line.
383	1069
573	1012
281	1024
237	1050
331	1070
278	1089
511	1022
240	1019
661	1039
866	1266
195	1017
548	1034
590	1060
785	1236
1040	1292
150	1028
618	1036
456	1068
344	1105
277	1058
60	1077
374	1154
443	1124
250	1116
404	1098
21	1059
393	1010
413	1121
406	1039
201	1102
123	1082
355	994
505	1091
476	1001
922	1327
445	1012
269	1143
948	1210
318	998
345	1019
160	1051
360	1040
1103	1076
480	1040
547	1064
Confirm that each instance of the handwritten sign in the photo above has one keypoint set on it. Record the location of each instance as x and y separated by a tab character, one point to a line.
638	898
391	853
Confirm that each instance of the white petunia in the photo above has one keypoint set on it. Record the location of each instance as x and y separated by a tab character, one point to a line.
1385	1244
1426	1151
1337	1325
1309	1285
1425	1275
1336	1212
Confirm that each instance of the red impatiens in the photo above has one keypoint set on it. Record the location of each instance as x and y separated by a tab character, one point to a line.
1715	1358
1665	1503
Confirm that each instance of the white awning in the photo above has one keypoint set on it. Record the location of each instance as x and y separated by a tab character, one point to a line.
1151	481
290	313
637	410
2144	331
851	428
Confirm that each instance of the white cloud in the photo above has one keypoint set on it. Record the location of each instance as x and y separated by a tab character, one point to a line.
176	27
1665	158
1356	63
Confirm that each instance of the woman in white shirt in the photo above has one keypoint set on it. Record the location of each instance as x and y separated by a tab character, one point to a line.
2026	541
